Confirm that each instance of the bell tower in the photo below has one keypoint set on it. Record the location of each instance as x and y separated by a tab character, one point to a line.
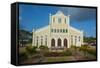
59	18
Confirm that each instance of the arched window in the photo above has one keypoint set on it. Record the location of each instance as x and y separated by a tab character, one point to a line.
60	30
66	30
75	40
54	19
41	40
79	38
63	30
65	20
52	42
46	40
65	42
57	30
59	42
71	39
59	20
51	30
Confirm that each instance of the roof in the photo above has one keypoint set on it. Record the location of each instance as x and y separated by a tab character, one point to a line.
60	13
79	31
42	29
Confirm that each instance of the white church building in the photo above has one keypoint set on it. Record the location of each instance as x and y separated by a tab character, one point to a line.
58	34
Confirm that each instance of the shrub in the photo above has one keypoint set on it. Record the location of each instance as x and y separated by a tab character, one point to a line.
74	47
31	50
67	52
43	47
84	49
22	56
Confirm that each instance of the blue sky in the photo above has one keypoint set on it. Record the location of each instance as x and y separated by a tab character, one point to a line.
35	16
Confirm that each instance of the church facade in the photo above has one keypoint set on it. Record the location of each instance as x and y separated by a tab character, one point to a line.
58	34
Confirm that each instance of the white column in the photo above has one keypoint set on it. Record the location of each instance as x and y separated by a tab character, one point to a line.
68	42
50	19
49	42
62	42
73	40
43	40
68	19
81	38
33	39
56	41
39	40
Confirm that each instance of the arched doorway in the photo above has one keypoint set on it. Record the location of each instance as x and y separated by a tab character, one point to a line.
65	42
59	42
52	43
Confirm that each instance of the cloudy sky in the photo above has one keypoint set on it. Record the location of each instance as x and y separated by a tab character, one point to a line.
35	16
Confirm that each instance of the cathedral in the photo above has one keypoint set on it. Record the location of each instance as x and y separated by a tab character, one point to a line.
58	33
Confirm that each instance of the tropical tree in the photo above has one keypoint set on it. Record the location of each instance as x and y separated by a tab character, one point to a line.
89	39
84	49
31	50
75	48
43	49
